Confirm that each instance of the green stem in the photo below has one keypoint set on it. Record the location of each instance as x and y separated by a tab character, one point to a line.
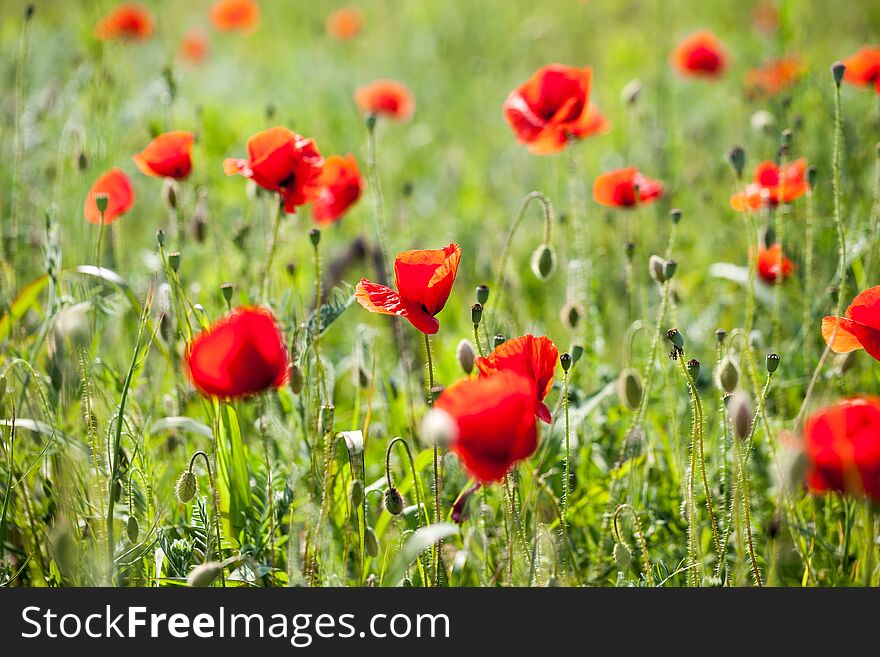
273	247
566	482
640	536
430	399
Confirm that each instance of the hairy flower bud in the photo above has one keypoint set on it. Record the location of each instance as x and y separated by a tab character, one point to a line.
727	374
544	262
466	355
393	501
186	486
629	388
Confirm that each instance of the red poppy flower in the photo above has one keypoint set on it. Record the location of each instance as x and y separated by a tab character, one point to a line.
236	16
388	97
700	55
617	189
859	328
127	21
842	445
863	68
167	156
239	355
424	281
341	186
772	77
345	23
194	45
553	106
495	419
281	161
771	186
116	186
531	357
772	264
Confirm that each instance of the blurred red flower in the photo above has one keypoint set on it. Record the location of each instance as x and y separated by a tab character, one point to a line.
239	355
236	16
167	156
772	77
116	186
281	161
617	189
552	107
859	328
194	45
345	23
126	21
700	55
842	445
424	280
773	265
495	421
388	97
340	187
531	357
771	186
863	68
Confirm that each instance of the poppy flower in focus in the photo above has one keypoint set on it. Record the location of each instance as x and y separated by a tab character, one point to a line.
388	97
772	77
617	189
772	186
552	107
859	328
116	186
773	265
131	22
842	445
239	355
281	161
341	185
236	16
424	280
167	156
345	23
863	68
531	357
194	45
495	423
700	55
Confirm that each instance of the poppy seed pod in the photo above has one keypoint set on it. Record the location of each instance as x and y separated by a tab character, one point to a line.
772	363
739	407
356	493
393	501
629	388
544	262
737	158
482	294
371	543
727	374
204	574
675	337
571	314
102	201
720	334
315	237
186	486
837	71
693	368
466	355
227	290
370	121
132	529
174	260
565	362
498	340
675	215
577	350
476	314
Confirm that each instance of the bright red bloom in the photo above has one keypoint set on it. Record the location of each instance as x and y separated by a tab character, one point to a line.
531	357
424	281
236	16
617	189
772	264
771	186
842	445
700	55
345	23
859	328
239	355
341	186
126	21
116	186
167	156
281	161
863	68
772	77
388	97
195	45
495	418
552	107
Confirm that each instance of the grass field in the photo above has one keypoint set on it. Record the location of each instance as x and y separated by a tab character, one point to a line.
320	463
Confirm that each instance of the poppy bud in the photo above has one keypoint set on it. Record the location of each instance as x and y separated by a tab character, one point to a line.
186	486
498	340
170	190
629	388
628	250
160	237
132	529
622	555
476	314
786	137
720	334
174	260
577	350
675	337
315	237
631	92
102	201
544	262
812	172
297	381
29	12
837	71
482	294
571	314
675	215
737	158
727	374
393	501
371	543
669	267
739	407
565	361
325	418
356	493
226	289
204	574
82	162
693	368
772	363
370	120
655	267
466	355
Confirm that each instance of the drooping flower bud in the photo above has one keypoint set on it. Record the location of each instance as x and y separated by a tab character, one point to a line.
132	529
393	501
204	574
371	543
577	350
669	267
655	267
629	388
544	262
727	374
438	428
740	409
631	92
356	493
466	355
622	555
186	486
